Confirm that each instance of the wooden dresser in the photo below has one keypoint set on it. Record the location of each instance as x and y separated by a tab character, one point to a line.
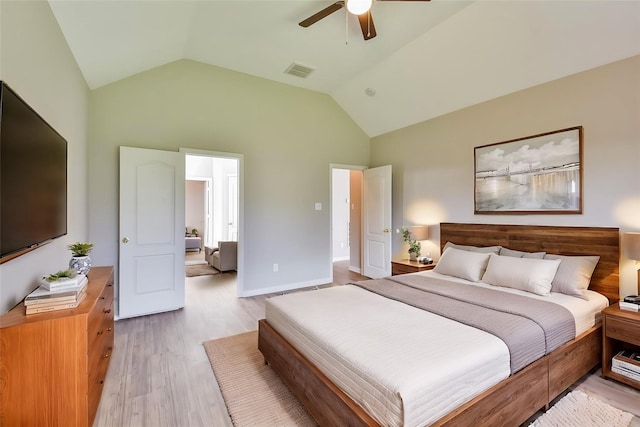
53	365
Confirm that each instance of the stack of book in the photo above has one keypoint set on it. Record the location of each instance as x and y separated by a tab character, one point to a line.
631	302
58	295
627	363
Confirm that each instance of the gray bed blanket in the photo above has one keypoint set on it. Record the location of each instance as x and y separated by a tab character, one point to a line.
529	327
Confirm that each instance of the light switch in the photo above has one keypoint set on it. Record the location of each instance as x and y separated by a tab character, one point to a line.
318	206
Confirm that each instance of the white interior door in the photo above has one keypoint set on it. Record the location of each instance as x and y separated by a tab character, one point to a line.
376	203
152	187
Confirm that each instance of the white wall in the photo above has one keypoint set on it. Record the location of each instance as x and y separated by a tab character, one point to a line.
433	163
288	137
37	63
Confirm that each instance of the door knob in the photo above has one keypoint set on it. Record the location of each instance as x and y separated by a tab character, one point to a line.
125	240
386	230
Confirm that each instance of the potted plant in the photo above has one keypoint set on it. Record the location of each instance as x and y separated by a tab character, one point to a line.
194	232
80	260
414	246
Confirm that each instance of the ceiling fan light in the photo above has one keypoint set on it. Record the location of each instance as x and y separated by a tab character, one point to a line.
358	7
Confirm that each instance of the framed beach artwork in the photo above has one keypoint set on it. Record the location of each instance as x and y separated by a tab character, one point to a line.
539	174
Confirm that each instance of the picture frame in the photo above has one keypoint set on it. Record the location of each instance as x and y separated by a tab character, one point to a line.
538	174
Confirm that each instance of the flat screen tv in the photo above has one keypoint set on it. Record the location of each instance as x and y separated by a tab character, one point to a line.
33	177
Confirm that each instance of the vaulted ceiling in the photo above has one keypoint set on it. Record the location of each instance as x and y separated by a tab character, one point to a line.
428	59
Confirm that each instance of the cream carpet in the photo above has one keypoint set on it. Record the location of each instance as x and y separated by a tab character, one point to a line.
255	396
253	393
578	409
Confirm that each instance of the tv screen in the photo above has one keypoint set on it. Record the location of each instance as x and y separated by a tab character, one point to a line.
33	177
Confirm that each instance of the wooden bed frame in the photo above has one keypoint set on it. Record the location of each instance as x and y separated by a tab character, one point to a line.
513	400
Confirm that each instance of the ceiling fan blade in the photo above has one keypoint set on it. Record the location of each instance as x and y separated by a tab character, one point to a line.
366	24
322	14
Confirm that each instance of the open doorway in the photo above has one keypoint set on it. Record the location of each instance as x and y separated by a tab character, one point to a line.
346	216
213	211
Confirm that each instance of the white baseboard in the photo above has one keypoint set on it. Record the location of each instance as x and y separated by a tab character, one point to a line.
284	288
342	258
355	269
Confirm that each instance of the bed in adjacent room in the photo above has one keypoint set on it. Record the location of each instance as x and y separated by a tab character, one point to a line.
444	347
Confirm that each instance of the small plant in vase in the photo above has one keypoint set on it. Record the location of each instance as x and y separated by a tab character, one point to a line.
80	260
414	246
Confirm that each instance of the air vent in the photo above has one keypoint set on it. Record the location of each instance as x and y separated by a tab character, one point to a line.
299	70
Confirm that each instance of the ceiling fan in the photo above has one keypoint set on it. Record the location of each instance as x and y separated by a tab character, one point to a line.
360	8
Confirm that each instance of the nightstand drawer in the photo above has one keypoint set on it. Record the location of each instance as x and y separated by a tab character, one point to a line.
405	266
623	330
403	269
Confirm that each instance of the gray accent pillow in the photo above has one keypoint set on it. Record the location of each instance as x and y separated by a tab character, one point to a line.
482	249
519	254
574	274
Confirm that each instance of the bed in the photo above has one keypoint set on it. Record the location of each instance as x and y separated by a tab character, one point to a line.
500	398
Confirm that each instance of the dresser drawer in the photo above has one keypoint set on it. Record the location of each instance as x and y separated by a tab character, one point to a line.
96	384
101	316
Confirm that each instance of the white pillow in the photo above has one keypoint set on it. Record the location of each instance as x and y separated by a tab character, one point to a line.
483	249
574	274
520	254
462	264
526	274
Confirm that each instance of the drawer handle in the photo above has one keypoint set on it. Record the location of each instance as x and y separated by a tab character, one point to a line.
103	297
101	381
100	332
109	329
107	310
106	356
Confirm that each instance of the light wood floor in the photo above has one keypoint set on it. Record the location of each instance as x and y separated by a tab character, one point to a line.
160	374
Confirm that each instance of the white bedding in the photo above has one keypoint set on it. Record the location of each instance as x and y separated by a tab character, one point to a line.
405	366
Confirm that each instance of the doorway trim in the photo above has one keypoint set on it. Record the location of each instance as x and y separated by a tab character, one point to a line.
240	158
333	166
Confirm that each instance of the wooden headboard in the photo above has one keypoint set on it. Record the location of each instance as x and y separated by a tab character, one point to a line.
603	241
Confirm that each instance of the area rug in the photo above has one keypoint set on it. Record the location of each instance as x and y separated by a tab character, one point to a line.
578	409
253	393
194	262
199	270
255	396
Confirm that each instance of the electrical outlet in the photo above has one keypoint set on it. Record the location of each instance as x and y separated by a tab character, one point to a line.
275	268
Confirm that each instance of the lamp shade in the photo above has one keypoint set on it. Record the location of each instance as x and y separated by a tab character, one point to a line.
358	7
631	245
419	233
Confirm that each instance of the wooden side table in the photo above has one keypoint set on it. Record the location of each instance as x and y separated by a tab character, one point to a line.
620	330
408	266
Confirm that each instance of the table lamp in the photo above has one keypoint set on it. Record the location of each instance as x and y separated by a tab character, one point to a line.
631	250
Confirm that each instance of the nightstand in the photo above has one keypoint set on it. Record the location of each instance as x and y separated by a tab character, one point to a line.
620	330
406	266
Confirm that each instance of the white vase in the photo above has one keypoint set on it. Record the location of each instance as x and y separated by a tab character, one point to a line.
80	263
413	256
